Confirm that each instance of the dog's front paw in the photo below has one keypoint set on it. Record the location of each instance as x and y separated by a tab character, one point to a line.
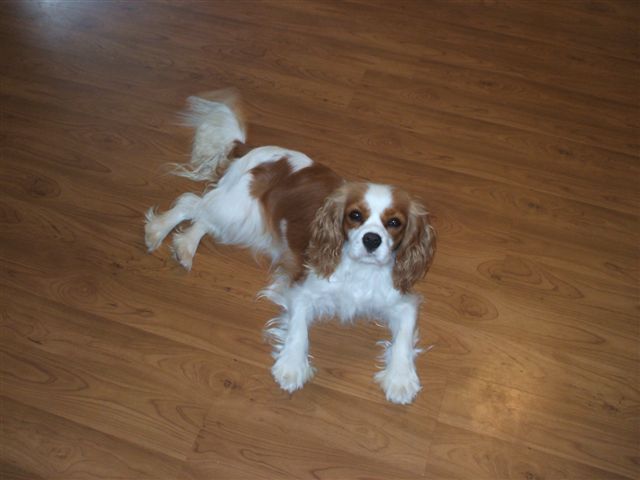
290	374
400	385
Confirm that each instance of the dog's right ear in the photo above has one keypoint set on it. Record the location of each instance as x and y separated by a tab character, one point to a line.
327	235
416	251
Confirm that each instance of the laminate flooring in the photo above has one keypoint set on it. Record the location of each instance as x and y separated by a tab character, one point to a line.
515	122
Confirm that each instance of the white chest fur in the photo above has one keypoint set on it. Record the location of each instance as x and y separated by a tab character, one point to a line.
354	289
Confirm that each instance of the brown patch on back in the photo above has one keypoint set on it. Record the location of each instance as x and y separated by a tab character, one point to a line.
294	197
267	175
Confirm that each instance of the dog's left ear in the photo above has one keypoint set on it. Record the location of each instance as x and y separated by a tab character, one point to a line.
325	246
416	251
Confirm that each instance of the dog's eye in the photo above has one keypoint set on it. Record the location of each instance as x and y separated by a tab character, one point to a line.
355	215
394	223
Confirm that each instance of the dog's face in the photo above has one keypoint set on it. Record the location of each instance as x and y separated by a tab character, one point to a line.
373	224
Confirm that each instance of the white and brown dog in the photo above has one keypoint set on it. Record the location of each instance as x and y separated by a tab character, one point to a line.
339	248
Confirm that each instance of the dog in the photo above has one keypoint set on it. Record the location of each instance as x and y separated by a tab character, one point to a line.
339	249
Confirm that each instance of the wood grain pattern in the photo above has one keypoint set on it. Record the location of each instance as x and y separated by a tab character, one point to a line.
48	446
516	122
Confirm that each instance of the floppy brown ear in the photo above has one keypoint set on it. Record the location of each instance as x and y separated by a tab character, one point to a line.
327	236
416	251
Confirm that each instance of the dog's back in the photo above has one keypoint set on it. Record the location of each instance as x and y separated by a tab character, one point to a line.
241	188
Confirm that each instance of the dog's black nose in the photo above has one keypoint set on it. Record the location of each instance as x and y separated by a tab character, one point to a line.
371	241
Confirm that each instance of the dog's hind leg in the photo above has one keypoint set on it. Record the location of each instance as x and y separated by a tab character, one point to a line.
158	226
185	243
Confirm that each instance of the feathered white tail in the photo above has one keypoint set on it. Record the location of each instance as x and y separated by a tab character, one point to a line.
219	128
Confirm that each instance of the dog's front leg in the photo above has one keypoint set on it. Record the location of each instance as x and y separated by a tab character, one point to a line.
399	379
292	368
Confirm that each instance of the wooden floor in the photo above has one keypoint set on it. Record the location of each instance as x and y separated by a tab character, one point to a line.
516	122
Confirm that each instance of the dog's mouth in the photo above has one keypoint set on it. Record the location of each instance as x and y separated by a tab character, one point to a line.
369	257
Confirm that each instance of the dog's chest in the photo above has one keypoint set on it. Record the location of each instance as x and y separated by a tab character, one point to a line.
356	289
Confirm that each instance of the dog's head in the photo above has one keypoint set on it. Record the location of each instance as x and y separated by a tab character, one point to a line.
374	224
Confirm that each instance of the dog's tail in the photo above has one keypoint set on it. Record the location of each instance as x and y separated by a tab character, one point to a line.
220	129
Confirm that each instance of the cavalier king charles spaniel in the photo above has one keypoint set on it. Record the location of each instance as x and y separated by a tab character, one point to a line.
339	248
